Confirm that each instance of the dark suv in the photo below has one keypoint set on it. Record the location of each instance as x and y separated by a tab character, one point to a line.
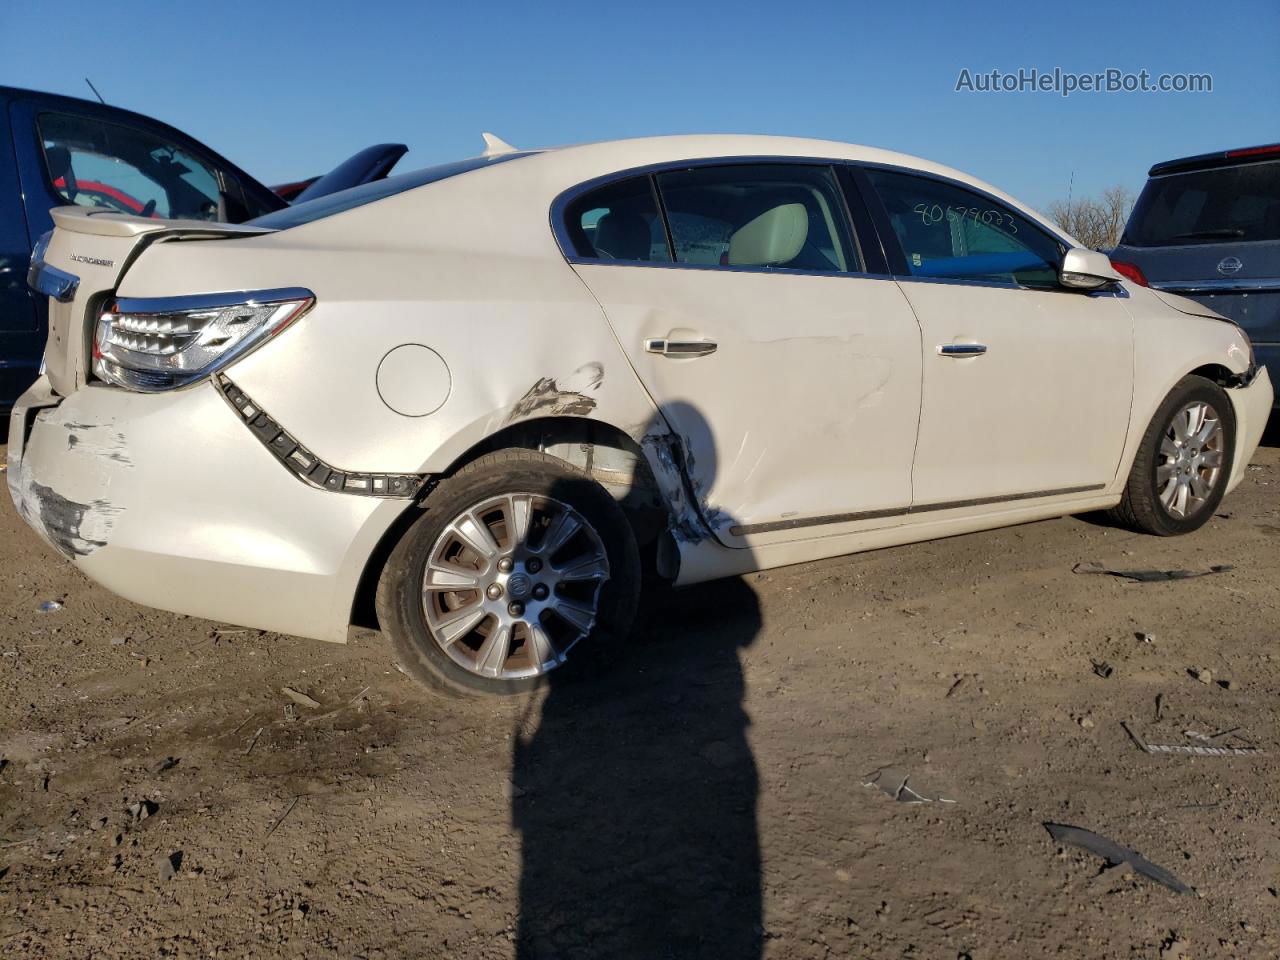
1208	228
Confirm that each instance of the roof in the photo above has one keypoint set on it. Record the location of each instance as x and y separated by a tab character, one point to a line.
1220	158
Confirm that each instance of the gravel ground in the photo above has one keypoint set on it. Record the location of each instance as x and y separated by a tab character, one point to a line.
161	796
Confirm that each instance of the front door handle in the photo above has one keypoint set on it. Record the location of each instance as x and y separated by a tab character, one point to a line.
958	350
680	348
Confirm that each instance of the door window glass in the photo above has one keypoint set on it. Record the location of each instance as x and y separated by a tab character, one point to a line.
93	163
785	216
947	231
618	222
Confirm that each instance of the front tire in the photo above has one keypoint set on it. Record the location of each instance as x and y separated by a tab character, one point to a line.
1180	472
520	565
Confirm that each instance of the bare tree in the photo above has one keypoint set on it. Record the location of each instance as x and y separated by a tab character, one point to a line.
1095	223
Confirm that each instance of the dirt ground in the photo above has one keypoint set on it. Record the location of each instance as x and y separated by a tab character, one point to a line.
160	796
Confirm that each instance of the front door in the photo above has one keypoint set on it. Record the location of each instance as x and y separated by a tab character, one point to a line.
793	381
1026	384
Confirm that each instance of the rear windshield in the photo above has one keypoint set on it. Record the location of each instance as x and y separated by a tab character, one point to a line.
1224	205
343	200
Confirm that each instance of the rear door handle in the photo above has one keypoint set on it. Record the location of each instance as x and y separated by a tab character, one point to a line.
680	348
961	349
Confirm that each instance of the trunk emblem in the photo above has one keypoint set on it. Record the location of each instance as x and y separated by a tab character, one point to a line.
99	262
1229	265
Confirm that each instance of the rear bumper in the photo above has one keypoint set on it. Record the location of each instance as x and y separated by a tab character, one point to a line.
170	501
1253	408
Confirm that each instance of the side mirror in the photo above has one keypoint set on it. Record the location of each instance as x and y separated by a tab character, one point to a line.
1086	270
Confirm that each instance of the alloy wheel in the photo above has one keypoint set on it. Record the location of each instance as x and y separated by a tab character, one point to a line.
512	584
1192	452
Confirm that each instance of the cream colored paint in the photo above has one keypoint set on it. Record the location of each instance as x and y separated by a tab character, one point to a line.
1045	408
808	406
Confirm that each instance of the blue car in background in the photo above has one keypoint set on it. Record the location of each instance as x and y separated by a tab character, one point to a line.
57	150
1208	227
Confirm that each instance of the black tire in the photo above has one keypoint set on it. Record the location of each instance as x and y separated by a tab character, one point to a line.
399	596
1141	508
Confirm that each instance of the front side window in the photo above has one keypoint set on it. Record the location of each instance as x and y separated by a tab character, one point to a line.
619	222
93	163
773	216
948	232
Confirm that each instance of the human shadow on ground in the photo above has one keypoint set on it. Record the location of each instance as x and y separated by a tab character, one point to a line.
635	796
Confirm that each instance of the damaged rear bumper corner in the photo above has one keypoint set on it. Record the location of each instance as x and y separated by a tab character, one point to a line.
170	501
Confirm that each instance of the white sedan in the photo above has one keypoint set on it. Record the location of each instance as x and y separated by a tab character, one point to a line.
481	400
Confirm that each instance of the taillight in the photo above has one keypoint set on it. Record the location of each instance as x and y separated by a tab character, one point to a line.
160	344
1132	271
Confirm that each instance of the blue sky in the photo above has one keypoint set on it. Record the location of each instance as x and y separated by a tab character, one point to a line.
288	89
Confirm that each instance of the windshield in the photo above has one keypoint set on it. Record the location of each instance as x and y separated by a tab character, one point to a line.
1222	205
343	200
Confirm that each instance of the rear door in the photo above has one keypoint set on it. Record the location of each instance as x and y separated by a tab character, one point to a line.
792	376
1026	385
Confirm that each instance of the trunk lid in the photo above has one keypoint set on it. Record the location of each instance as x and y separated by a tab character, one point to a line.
89	251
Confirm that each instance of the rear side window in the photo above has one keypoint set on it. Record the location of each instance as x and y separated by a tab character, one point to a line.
1223	205
774	216
948	232
93	163
619	222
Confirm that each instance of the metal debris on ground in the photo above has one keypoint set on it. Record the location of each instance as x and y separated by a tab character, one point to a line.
301	699
280	819
49	606
1198	750
253	741
893	783
1149	576
1145	637
1114	854
1103	669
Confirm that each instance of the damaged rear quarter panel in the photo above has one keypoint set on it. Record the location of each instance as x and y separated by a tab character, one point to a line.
520	334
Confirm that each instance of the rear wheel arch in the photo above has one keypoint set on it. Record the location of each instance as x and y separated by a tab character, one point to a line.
600	449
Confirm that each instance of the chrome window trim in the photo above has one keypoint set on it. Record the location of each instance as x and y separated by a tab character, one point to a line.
1112	290
1231	285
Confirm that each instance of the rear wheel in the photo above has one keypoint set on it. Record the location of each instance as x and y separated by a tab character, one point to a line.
1180	473
520	565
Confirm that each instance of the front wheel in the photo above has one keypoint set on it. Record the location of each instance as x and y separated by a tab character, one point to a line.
519	565
1180	473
